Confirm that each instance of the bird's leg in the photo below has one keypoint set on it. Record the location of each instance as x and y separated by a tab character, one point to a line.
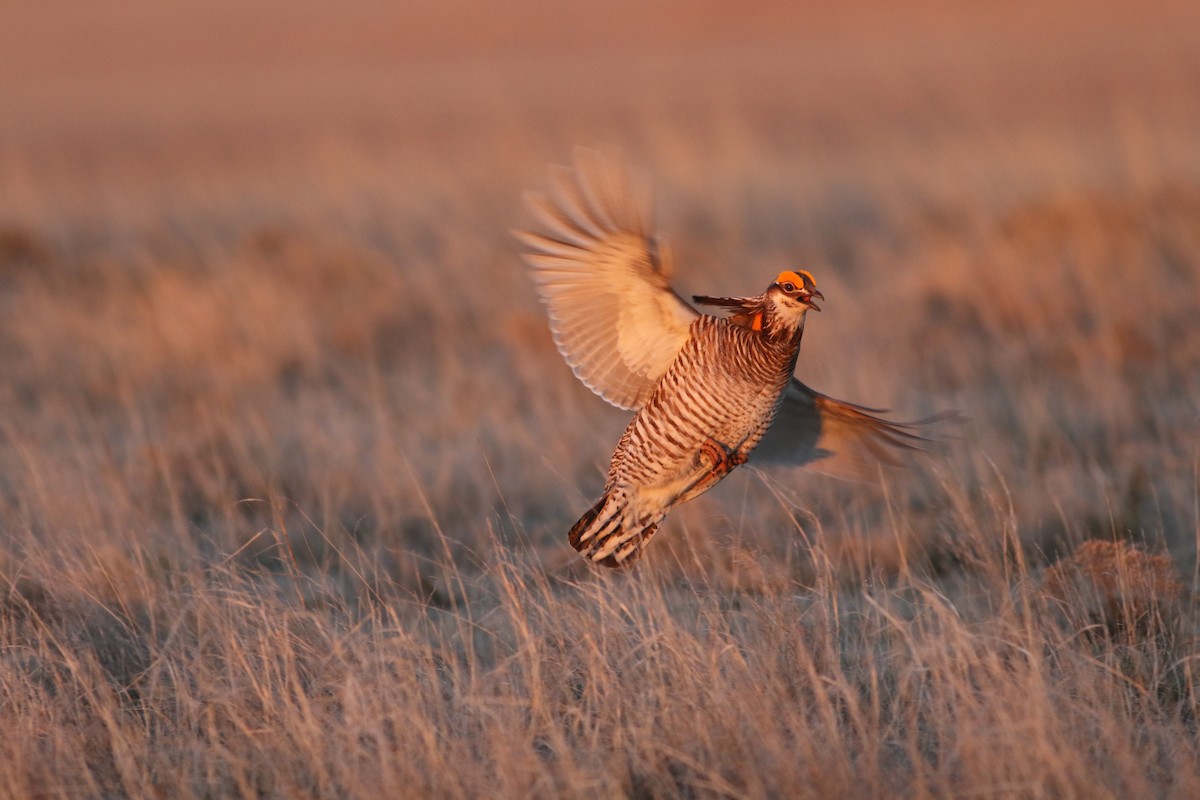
716	460
724	459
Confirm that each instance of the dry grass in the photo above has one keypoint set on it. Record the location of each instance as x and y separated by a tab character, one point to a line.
287	457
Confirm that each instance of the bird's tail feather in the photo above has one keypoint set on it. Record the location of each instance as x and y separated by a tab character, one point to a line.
604	536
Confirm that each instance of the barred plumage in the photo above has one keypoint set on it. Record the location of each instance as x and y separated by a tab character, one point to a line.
703	418
708	391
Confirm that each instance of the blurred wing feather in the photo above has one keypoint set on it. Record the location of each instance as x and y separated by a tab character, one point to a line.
840	439
613	314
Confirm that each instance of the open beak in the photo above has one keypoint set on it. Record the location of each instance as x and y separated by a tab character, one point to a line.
815	293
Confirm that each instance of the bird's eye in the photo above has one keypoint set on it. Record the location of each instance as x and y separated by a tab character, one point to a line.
789	287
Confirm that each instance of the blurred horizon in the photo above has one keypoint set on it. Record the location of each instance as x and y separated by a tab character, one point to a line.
79	71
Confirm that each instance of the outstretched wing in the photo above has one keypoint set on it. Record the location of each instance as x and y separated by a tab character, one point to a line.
613	313
837	438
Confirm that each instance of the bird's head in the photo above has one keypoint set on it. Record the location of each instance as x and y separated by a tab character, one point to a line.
791	296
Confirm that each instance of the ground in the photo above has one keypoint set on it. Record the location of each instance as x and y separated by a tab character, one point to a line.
287	456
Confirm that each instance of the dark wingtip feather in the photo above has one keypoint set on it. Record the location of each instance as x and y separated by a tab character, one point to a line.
723	302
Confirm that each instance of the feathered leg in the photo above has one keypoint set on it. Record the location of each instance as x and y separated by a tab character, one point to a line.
716	460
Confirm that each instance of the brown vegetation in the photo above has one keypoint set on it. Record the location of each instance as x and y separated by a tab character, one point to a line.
287	458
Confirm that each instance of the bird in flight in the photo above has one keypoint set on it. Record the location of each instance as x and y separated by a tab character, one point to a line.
711	392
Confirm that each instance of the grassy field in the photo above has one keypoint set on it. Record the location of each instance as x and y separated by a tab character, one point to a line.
287	457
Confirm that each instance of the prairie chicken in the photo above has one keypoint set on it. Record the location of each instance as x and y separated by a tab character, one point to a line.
710	392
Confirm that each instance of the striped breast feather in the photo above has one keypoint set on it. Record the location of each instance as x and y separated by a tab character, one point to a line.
614	316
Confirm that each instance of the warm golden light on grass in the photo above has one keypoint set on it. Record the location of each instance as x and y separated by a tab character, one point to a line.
287	456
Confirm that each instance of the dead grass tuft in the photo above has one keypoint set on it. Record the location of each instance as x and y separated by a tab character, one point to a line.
1124	591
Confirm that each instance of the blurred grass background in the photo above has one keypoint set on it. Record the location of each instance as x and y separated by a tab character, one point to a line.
287	457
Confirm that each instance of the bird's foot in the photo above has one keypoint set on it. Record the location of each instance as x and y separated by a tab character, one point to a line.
715	462
720	458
